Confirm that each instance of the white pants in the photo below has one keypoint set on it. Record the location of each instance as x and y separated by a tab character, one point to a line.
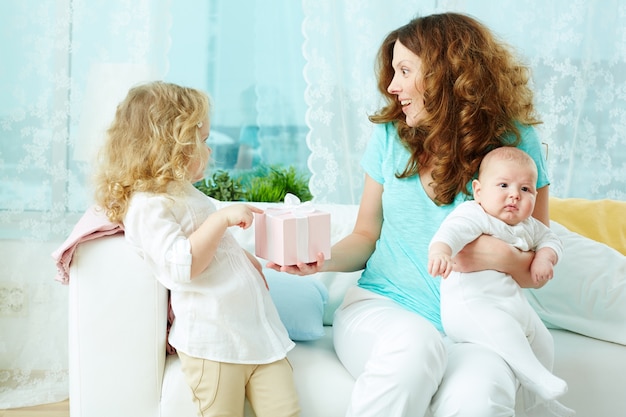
404	367
489	308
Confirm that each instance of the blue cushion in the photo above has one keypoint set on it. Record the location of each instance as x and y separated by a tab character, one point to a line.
300	303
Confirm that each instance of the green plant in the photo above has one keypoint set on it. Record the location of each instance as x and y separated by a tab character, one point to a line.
221	187
262	184
272	183
261	190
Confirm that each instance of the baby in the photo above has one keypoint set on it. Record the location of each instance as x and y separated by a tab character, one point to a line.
489	307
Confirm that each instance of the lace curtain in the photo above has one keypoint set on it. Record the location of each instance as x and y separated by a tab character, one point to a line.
65	65
577	52
291	83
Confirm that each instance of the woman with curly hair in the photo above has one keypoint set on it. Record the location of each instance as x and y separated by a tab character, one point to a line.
452	93
226	331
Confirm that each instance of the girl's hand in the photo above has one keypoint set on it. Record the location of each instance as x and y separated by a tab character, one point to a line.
239	215
205	240
257	265
300	269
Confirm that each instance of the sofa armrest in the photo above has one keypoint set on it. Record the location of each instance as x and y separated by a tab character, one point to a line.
117	331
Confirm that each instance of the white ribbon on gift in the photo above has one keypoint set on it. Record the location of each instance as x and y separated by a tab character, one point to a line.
293	206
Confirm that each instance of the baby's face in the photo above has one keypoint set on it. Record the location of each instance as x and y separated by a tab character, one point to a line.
507	191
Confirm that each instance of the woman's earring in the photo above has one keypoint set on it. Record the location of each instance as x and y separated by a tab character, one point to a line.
199	125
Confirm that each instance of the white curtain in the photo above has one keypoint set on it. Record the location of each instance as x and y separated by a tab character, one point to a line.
575	48
298	77
65	64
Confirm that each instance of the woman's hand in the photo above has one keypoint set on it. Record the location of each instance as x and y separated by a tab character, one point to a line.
352	252
488	252
300	268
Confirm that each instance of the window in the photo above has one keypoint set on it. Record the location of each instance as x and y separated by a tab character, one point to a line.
68	65
250	62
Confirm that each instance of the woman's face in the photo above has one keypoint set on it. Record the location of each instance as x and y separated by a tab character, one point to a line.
408	83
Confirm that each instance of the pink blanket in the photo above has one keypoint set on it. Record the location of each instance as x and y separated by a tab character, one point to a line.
93	224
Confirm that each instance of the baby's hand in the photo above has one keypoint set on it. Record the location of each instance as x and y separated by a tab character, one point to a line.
239	215
439	263
541	270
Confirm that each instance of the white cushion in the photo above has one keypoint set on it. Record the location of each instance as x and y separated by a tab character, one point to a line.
588	292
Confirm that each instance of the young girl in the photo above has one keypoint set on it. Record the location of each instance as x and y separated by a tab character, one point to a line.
226	330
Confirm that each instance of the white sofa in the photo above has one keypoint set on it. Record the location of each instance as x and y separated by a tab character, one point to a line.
118	364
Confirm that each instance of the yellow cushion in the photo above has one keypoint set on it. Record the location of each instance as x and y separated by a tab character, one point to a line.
601	220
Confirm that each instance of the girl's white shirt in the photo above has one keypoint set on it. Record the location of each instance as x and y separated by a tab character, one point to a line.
226	313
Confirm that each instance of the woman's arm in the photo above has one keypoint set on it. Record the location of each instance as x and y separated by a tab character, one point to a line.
488	252
352	252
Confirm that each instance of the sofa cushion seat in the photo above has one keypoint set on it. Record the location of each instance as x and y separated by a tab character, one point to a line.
323	384
121	302
593	369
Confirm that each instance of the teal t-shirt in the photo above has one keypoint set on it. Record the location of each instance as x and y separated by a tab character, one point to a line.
398	268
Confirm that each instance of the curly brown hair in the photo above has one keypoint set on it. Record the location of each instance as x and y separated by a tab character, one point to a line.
476	91
154	136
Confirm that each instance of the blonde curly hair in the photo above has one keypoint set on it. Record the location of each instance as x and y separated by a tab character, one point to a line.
475	93
150	143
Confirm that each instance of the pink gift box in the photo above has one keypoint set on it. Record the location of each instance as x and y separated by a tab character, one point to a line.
286	235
